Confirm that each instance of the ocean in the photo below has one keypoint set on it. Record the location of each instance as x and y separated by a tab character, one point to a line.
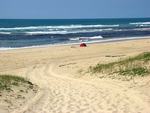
18	33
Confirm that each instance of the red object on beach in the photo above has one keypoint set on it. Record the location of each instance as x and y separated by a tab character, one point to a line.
83	45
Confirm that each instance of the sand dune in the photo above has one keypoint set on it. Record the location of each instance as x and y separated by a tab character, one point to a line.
63	91
67	95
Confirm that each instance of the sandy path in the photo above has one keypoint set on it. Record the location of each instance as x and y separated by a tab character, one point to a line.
67	95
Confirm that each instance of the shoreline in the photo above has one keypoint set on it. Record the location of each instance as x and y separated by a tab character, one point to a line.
110	40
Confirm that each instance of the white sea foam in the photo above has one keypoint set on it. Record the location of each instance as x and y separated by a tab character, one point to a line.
5	32
66	32
74	39
96	37
45	32
86	38
24	28
38	32
6	48
140	23
58	27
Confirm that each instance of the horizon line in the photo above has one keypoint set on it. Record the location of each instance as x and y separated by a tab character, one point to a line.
69	18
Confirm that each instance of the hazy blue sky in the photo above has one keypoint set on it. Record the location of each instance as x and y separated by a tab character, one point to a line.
74	8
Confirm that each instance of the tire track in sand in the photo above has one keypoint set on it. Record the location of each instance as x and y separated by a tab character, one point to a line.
61	94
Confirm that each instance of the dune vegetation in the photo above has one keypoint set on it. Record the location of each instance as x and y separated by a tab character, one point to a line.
8	81
131	67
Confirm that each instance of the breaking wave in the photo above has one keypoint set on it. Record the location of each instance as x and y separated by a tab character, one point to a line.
86	38
140	23
6	33
58	27
67	32
61	29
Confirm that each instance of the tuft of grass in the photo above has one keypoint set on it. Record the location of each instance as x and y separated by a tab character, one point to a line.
133	66
7	81
136	71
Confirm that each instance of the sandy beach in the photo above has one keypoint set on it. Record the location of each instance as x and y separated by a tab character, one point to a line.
63	89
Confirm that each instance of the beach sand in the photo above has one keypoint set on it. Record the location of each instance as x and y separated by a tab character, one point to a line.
63	88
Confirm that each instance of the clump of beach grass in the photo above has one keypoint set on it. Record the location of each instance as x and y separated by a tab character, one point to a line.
15	90
133	66
8	81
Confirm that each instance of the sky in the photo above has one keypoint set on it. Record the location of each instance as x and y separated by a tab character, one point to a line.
65	9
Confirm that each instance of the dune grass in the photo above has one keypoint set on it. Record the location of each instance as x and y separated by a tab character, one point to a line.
133	66
7	81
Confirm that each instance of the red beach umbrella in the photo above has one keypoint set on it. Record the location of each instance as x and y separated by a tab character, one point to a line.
83	45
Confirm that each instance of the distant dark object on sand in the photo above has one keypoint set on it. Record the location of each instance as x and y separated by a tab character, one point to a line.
83	45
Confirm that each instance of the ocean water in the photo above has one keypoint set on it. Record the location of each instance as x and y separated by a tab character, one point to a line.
16	33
